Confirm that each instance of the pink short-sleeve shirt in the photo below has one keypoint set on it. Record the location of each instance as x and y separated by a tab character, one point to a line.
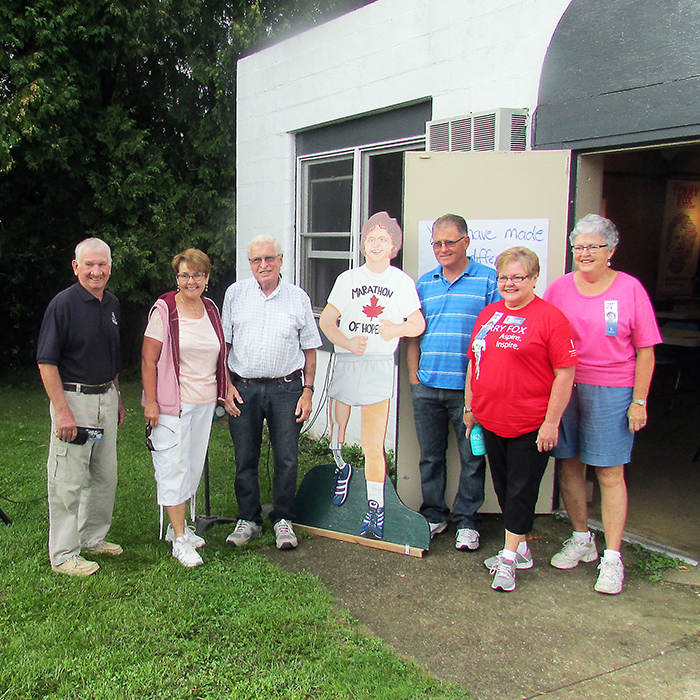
608	328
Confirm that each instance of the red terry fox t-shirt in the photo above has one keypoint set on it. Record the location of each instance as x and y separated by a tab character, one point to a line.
512	366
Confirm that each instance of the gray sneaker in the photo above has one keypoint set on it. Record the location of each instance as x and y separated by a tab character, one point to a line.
467	539
284	535
573	552
522	561
504	575
437	528
611	577
245	531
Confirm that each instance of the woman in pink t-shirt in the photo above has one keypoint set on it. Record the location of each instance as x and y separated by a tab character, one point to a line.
184	375
615	332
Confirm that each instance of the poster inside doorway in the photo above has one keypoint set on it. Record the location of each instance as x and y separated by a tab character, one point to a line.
678	256
489	238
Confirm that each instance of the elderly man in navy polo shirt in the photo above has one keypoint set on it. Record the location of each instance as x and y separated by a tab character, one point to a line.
78	358
452	295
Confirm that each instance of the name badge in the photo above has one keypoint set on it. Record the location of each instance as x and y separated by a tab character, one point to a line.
611	318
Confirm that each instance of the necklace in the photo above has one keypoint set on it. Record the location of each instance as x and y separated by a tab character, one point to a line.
198	312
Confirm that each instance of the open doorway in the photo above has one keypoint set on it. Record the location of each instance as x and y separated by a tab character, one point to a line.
663	480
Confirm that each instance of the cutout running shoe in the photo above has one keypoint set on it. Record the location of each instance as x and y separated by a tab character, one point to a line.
341	484
373	522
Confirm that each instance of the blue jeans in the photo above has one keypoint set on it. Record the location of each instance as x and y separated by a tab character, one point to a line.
273	400
433	411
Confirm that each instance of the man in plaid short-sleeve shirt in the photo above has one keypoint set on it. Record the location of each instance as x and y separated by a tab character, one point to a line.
271	336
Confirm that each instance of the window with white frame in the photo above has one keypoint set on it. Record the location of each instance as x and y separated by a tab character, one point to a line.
325	244
337	192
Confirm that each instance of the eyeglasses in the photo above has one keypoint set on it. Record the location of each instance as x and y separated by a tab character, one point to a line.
593	249
446	244
149	444
183	276
515	279
269	259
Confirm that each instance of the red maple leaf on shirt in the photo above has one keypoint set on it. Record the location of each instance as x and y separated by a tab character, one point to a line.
373	310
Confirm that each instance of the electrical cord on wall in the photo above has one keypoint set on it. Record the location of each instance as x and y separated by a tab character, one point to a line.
323	395
322	398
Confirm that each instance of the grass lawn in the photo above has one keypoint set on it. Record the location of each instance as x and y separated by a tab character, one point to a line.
146	627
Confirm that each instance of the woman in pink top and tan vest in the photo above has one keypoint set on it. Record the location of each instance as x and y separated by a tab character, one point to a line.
183	368
615	332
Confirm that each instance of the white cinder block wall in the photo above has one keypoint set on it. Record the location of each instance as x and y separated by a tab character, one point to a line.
467	55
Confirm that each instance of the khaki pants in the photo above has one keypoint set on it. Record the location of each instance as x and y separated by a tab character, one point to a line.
82	479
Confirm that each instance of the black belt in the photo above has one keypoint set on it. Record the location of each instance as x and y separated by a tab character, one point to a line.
263	380
88	388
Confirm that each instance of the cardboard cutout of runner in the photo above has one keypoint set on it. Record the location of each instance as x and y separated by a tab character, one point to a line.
369	309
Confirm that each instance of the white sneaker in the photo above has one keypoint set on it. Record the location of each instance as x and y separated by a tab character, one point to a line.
190	535
185	553
522	561
611	577
467	539
574	552
284	535
245	531
437	528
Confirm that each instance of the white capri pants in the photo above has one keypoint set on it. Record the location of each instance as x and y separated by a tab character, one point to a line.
179	447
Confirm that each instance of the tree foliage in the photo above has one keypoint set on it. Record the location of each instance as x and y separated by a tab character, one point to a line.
117	120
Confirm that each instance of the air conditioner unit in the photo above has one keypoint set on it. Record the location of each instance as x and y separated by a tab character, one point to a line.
498	130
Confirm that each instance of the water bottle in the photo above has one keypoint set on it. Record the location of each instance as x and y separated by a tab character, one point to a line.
219	413
476	439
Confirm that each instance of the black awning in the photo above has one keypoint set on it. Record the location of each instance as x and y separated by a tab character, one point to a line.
620	72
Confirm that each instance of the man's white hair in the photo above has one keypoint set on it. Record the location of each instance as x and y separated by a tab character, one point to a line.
262	239
92	245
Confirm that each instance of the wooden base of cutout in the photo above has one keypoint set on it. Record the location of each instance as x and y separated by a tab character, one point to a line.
405	531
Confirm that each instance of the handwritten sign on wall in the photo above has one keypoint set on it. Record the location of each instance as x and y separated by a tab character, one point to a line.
488	238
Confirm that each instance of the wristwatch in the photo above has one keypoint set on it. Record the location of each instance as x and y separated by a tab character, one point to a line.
308	386
641	402
468	410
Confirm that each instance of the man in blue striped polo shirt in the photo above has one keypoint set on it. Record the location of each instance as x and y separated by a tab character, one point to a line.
451	295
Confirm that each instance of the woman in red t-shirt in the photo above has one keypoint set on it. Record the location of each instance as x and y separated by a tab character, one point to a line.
518	385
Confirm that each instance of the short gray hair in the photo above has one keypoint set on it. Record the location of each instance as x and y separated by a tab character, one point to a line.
596	225
456	220
262	239
93	245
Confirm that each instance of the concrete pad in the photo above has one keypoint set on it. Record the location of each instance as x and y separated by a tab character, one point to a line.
674	675
685	575
553	636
